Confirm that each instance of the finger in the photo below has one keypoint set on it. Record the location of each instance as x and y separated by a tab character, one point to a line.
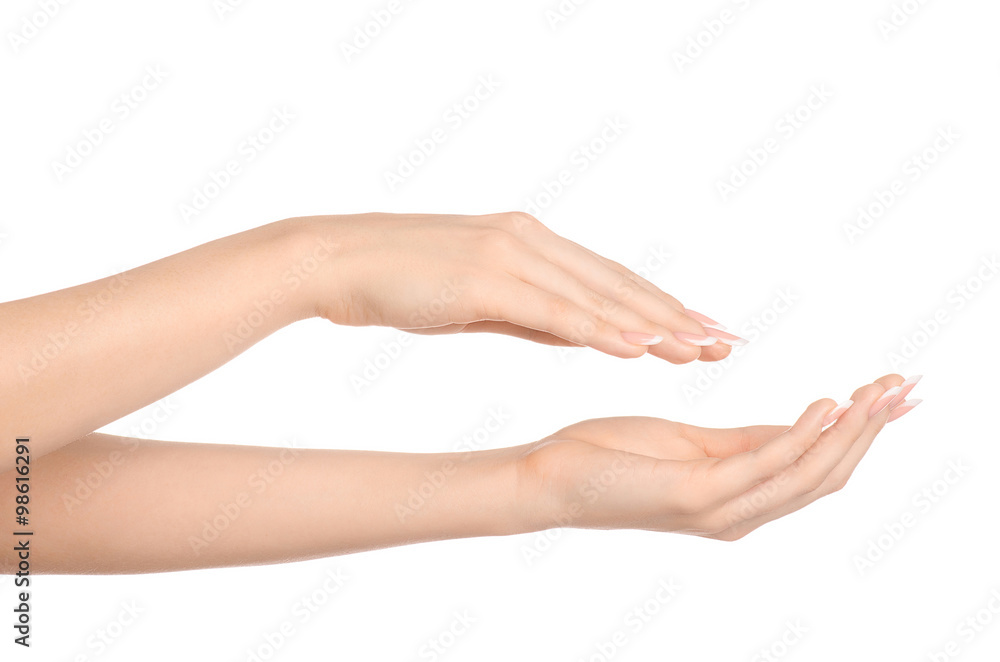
736	474
804	480
525	305
603	304
618	283
725	442
837	478
718	351
524	333
715	352
845	469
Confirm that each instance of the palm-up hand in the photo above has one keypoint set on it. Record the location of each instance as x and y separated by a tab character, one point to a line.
649	473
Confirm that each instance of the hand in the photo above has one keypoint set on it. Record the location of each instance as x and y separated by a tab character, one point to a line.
501	273
648	473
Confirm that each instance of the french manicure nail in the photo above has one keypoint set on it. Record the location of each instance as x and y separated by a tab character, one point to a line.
906	387
703	319
903	409
884	401
726	337
695	339
837	411
641	338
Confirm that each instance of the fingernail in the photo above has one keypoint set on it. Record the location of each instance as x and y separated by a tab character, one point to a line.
837	411
904	408
698	317
641	338
906	387
726	337
884	401
695	339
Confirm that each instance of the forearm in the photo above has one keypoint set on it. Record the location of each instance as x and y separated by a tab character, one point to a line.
79	358
164	506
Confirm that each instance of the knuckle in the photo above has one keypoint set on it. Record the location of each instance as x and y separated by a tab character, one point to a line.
814	483
560	306
520	221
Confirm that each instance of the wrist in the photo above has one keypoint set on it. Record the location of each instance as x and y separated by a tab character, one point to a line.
309	250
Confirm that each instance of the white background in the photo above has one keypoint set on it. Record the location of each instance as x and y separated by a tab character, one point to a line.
653	190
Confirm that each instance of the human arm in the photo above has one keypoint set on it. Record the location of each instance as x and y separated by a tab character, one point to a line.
171	506
79	358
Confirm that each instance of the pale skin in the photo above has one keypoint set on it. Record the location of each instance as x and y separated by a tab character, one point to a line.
165	506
